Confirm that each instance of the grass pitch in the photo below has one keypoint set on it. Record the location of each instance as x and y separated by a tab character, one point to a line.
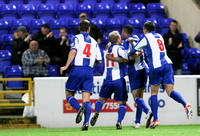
176	130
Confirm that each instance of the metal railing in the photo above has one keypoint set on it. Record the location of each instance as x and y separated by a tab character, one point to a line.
29	91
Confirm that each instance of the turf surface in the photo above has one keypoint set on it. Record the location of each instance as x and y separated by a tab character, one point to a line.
178	130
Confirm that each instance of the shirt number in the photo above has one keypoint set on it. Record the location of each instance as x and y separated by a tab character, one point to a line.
86	51
160	45
112	62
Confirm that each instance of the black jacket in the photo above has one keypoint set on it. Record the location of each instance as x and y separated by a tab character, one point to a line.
197	38
94	32
173	51
18	46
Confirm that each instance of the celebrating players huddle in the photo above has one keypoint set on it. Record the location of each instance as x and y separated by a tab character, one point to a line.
85	53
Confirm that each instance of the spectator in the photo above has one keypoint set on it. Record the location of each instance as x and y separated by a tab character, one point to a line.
197	38
94	30
174	44
20	43
47	43
34	61
64	47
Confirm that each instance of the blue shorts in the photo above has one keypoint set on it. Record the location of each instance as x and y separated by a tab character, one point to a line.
163	75
80	78
138	79
118	87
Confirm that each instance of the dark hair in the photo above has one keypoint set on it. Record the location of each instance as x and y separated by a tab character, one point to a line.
128	29
46	25
150	26
84	25
174	21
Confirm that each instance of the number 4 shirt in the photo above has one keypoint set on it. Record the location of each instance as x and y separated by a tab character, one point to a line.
87	48
114	70
153	45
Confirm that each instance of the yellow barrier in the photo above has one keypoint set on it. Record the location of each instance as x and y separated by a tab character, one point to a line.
29	91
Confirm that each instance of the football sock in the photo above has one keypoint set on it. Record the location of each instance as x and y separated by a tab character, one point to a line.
177	97
154	106
73	102
138	114
98	105
140	103
88	111
121	112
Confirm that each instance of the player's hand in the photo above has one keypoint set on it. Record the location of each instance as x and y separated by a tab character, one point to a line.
62	69
108	56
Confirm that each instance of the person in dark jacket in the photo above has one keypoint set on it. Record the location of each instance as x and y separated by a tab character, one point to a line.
47	43
94	30
197	38
64	47
174	44
20	43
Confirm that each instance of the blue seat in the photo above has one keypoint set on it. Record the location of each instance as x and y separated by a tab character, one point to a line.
155	10
56	24
186	40
7	41
185	69
122	1
4	27
154	20
27	11
140	35
106	1
104	40
99	23
54	2
3	1
119	10
71	2
70	35
36	24
34	2
65	11
53	70
84	7
164	24
72	25
46	11
113	24
14	72
102	10
135	23
14	24
16	2
8	11
137	10
5	59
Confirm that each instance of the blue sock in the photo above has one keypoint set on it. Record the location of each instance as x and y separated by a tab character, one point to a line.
140	103
177	97
88	111
138	114
154	107
98	105
73	102
121	112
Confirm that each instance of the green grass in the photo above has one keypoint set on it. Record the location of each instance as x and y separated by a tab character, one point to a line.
178	130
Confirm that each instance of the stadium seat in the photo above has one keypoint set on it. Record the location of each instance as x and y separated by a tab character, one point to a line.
102	10
137	10
34	2
65	11
185	69
155	10
27	12
119	10
106	1
3	1
4	27
56	24
46	11
104	40
88	1
72	25
154	20
8	11
71	2
5	59
113	24
14	24
54	2
84	7
53	70
14	72
16	2
134	22
164	24
70	35
7	41
99	23
140	35
186	40
122	1
35	25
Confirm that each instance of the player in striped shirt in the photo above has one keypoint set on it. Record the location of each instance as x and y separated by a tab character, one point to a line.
114	81
161	72
84	53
